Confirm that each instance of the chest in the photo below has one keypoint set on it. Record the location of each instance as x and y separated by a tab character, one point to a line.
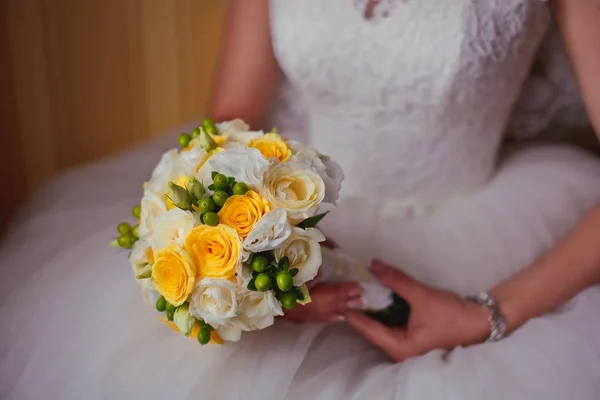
327	48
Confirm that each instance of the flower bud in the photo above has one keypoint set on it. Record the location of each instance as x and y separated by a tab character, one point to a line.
180	197
183	319
206	141
196	188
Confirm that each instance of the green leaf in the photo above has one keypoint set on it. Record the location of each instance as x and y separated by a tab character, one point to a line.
114	243
299	294
252	286
213	174
211	187
284	264
312	221
231	180
294	271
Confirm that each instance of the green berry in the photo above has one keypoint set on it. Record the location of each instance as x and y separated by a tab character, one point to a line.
161	304
210	219
206	205
135	231
288	300
170	307
195	132
207	122
259	263
284	281
184	139
220	197
136	211
124	228
240	188
204	335
262	282
221	182
126	241
170	315
212	130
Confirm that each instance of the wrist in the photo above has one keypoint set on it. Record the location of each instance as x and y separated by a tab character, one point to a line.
478	321
495	318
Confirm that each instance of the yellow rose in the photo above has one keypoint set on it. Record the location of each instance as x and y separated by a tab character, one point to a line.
182	181
297	190
272	145
242	212
215	250
173	274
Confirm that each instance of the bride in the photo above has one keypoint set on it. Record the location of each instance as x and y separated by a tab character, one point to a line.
495	247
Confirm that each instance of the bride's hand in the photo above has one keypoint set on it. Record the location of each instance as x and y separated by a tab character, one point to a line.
330	300
438	319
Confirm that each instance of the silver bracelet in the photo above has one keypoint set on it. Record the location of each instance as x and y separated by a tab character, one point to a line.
496	319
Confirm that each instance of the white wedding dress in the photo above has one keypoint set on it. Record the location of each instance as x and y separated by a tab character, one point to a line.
414	104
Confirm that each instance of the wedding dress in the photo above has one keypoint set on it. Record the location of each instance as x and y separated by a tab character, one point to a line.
414	103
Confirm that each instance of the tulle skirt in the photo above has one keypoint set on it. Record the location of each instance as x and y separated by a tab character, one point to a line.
74	326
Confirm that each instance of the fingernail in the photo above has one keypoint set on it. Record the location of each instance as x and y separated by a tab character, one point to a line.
337	318
355	304
355	291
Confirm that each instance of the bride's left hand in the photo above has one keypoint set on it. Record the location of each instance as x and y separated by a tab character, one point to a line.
438	318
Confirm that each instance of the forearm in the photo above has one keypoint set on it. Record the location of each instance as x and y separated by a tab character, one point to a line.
570	267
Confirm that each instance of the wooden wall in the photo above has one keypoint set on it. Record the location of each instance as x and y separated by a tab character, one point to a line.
82	79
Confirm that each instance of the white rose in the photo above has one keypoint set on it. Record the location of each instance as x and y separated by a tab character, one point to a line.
233	126
190	159
230	332
149	295
269	232
140	256
304	252
172	226
214	301
167	169
330	171
257	310
153	206
244	164
295	188
245	137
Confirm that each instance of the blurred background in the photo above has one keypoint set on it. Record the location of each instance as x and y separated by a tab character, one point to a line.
84	79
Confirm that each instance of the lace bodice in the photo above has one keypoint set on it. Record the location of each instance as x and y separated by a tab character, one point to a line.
414	101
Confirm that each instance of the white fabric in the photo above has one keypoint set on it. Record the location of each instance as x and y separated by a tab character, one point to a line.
414	106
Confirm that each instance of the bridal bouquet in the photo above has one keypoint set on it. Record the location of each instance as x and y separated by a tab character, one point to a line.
225	238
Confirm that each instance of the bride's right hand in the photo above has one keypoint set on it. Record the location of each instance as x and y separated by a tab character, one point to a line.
330	300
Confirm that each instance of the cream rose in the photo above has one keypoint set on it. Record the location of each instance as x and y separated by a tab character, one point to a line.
153	206
294	188
257	310
268	233
172	226
303	250
214	301
328	170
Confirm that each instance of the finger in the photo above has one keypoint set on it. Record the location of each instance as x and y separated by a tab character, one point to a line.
329	297
329	243
398	281
388	340
315	281
329	301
